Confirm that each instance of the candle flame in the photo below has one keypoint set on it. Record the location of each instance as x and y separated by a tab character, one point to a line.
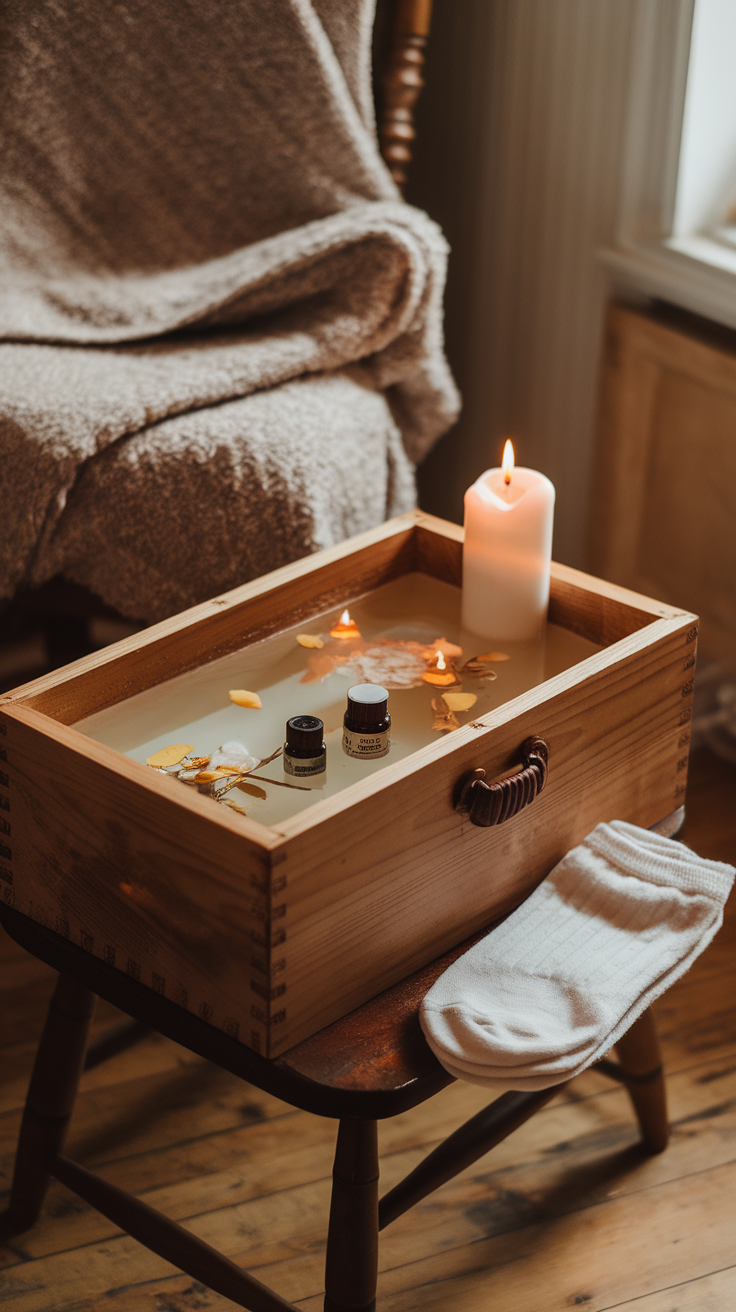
507	463
441	675
345	627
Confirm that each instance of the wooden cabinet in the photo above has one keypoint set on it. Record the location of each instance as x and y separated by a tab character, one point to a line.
664	490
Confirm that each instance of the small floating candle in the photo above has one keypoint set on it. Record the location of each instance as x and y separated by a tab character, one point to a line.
345	627
441	676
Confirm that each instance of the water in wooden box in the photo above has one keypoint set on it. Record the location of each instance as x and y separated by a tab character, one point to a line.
401	635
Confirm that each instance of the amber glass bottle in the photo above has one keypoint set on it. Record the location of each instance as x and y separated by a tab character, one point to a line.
367	722
305	754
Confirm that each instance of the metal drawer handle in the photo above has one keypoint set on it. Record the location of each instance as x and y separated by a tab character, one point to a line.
491	804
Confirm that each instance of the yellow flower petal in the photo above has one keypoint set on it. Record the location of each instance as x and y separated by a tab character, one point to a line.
169	755
309	640
493	656
243	698
459	701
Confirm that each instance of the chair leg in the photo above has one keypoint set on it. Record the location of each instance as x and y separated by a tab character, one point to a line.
351	1269
641	1071
51	1095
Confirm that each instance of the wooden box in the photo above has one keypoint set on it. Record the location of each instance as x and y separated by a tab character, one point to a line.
272	933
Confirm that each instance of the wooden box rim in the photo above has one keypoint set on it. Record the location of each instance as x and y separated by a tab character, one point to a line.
410	543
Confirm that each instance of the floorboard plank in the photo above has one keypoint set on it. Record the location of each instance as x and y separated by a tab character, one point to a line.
536	1176
567	1211
712	1293
598	1258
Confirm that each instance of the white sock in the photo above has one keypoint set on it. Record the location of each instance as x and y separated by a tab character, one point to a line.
549	991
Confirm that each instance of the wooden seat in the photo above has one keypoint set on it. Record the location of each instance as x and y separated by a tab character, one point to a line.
372	1064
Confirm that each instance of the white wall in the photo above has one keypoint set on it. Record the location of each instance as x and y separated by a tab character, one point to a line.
521	133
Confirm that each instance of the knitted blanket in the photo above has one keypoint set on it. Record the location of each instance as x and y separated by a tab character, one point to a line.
220	327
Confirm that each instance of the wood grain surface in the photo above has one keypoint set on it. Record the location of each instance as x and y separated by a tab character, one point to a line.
272	933
664	492
564	1213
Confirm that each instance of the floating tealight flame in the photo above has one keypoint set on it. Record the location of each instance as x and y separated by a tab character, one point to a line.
440	675
345	627
507	461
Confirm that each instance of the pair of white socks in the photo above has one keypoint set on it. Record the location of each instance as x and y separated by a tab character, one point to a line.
549	991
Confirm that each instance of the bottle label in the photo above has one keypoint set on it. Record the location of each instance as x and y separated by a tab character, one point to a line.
367	747
305	766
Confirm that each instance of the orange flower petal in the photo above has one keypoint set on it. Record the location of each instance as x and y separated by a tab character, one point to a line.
242	697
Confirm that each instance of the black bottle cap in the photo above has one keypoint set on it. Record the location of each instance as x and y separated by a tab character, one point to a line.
367	703
305	733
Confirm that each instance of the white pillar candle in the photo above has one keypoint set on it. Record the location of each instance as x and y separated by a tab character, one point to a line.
509	515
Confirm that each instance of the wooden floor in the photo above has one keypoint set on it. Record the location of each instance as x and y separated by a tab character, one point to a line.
565	1213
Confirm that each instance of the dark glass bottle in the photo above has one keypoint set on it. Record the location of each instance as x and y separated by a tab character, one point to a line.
305	754
367	722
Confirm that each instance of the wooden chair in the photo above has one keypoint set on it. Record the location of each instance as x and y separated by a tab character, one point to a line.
399	81
63	610
370	1065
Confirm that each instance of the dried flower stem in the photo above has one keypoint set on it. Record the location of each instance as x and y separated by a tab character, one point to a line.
280	783
248	774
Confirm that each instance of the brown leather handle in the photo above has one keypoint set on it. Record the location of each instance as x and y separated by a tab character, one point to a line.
491	804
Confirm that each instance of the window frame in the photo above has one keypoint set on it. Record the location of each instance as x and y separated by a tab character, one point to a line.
696	272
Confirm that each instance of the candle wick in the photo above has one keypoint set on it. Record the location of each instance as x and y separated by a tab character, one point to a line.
507	478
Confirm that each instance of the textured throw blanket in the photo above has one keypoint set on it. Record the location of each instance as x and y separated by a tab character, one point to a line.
220	327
